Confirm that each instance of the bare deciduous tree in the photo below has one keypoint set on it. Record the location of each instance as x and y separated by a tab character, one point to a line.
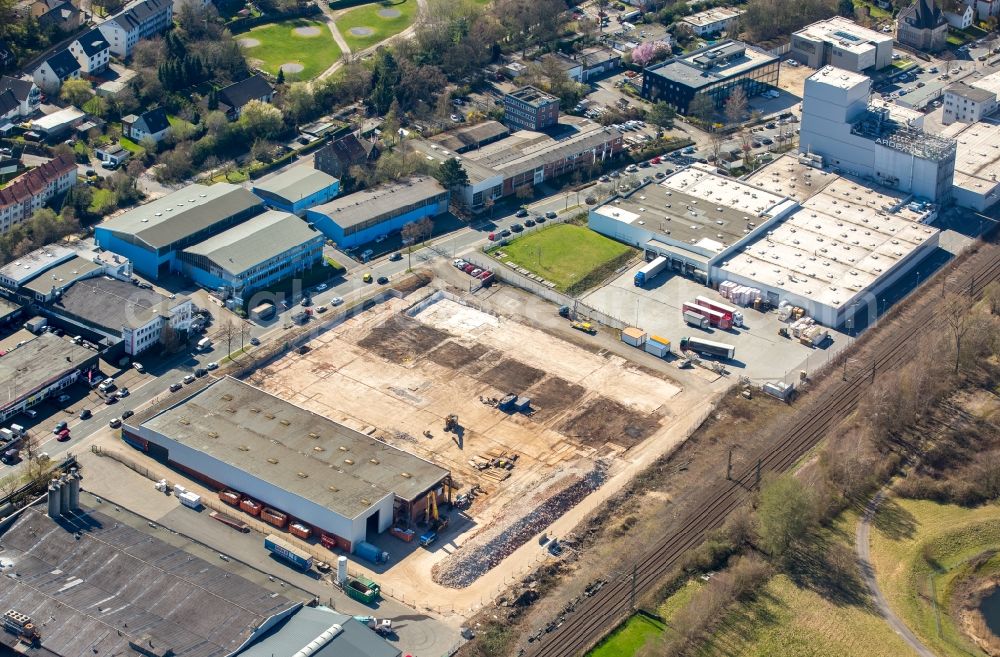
229	330
957	311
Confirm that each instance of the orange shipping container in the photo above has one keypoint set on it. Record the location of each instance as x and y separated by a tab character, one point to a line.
272	517
251	507
299	530
229	497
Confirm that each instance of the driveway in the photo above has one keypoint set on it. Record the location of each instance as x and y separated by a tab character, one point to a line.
862	544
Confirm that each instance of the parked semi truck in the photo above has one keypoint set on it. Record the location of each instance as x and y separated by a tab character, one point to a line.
735	316
293	555
649	271
718	349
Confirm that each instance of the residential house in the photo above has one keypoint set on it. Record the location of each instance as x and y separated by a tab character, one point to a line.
713	21
30	191
112	156
922	25
60	14
138	20
958	14
153	124
986	8
337	157
55	70
598	60
233	99
24	91
92	51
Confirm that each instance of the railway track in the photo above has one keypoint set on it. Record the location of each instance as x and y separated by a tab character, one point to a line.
579	630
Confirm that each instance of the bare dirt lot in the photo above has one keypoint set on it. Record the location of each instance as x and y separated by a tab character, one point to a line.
398	370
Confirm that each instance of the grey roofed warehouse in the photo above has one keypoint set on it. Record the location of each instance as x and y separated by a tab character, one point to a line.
182	215
257	240
31	370
235	435
111	304
368	204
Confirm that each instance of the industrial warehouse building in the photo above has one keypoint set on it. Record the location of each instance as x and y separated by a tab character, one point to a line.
340	482
92	581
713	71
297	189
124	319
818	240
840	125
45	273
40	368
842	43
366	215
153	235
526	158
251	256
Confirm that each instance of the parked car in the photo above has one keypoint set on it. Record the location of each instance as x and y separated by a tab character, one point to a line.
122	393
321	309
367	278
174	387
32	413
114	423
336	301
63	399
529	222
517	228
505	233
85	414
321	287
256	341
200	372
522	212
382	280
110	399
550	215
189	379
59	426
540	219
396	256
139	368
127	414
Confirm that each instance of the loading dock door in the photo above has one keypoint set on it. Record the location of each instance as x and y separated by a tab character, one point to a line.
371	525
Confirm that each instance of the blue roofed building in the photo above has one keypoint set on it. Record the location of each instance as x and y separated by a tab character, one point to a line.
153	235
253	255
297	189
366	215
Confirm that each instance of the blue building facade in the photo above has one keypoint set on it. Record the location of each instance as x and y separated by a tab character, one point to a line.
267	249
362	217
145	260
298	189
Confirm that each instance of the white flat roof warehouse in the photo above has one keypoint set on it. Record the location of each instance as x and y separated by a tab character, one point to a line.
703	182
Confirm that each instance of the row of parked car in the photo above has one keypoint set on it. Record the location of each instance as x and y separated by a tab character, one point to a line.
485	275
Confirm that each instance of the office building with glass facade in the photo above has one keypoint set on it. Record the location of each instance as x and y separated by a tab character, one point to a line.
713	71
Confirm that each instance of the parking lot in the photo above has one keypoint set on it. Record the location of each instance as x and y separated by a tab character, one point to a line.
761	353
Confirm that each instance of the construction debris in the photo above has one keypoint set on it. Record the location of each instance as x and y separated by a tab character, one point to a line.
465	566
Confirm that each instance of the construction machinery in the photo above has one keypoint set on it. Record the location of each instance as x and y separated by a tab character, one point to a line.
586	327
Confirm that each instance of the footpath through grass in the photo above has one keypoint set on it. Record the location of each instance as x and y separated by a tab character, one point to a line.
573	257
920	550
315	51
364	26
629	637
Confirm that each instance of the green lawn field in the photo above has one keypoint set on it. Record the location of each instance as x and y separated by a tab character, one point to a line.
918	567
367	18
573	257
629	637
280	44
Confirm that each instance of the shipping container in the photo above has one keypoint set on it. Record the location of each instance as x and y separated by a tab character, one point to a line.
229	497
263	312
633	336
657	346
327	541
371	553
649	271
299	530
708	347
362	589
694	319
405	535
191	500
251	507
293	555
272	517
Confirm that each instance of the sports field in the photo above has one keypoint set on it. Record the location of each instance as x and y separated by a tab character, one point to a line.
573	257
367	25
303	48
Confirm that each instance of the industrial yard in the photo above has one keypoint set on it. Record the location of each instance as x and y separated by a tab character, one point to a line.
398	371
